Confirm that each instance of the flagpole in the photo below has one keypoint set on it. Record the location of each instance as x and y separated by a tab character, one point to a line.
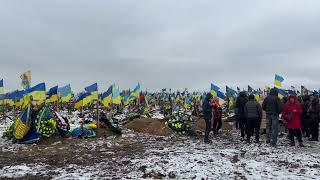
98	114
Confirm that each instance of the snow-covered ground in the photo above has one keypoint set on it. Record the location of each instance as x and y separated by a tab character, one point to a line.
151	157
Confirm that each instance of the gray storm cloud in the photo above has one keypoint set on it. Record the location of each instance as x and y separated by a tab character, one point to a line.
160	44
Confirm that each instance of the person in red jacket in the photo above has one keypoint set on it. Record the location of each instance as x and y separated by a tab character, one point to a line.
292	115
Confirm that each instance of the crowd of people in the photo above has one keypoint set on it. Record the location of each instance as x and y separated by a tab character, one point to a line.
299	114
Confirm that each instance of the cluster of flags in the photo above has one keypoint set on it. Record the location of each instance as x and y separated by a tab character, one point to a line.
37	94
113	96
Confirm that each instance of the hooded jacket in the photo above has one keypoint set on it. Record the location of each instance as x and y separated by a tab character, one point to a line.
241	103
272	104
207	107
314	110
295	111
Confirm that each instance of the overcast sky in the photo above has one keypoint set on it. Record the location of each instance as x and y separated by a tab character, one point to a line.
160	43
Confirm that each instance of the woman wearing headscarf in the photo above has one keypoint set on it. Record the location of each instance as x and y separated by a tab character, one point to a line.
292	115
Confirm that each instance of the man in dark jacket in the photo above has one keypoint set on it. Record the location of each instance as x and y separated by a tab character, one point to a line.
305	118
273	107
207	115
314	114
240	115
253	113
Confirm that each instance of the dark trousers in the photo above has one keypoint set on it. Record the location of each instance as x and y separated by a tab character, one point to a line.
217	124
295	133
314	130
242	126
237	122
208	129
253	127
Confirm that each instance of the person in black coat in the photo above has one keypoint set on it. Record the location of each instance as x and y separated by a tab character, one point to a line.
314	114
272	105
253	113
207	115
240	115
305	118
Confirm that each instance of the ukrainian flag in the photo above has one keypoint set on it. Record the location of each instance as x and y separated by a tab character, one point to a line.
9	98
292	92
107	97
2	99
126	100
93	91
281	93
19	98
214	87
136	92
215	91
38	93
53	95
87	99
65	93
278	80
116	98
1	87
187	102
81	100
221	97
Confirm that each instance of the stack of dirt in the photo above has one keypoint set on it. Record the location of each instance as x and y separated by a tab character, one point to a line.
200	125
149	126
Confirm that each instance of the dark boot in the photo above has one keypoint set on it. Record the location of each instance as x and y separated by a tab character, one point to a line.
301	144
292	143
207	141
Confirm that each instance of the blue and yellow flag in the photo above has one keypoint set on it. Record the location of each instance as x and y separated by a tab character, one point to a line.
281	93
1	87
221	97
231	92
38	94
278	80
2	99
116	98
93	91
9	98
19	98
65	93
82	100
26	80
214	87
53	95
215	91
126	100
136	91
107	97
